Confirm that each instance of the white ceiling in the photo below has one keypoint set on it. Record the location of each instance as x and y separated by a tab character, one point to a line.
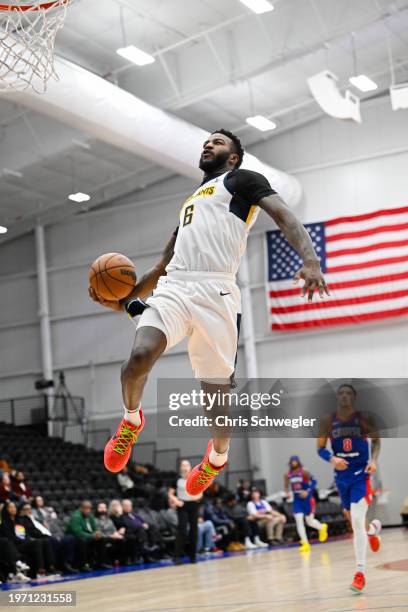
217	62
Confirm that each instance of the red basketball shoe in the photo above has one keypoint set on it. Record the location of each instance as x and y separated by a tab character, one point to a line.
374	539
358	583
119	447
202	475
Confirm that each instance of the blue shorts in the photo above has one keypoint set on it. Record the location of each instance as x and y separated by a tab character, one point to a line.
305	506
353	489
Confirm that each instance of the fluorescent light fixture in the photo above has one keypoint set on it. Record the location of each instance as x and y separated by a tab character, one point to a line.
363	83
3	230
135	55
399	96
79	197
261	123
258	6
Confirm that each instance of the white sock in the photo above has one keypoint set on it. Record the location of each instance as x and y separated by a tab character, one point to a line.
133	416
358	513
311	521
374	527
300	526
218	459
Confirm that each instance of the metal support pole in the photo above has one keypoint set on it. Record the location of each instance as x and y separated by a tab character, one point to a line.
44	316
258	448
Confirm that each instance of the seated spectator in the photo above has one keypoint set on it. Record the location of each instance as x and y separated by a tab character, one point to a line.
91	545
118	546
20	486
244	530
216	490
6	491
260	510
29	550
243	491
47	521
153	520
223	524
206	536
4	467
36	531
135	537
136	526
125	481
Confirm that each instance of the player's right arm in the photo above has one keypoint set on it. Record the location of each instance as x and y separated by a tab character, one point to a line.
286	484
147	282
323	452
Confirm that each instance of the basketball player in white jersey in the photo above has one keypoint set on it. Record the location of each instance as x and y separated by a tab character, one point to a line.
195	294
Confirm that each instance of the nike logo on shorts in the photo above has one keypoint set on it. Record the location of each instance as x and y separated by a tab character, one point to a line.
225	293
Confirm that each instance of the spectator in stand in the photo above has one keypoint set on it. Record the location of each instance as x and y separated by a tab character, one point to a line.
4	467
125	481
244	530
47	522
118	546
136	536
136	526
153	519
28	550
216	490
261	511
6	491
91	545
206	536
243	491
187	512
223	524
20	486
36	531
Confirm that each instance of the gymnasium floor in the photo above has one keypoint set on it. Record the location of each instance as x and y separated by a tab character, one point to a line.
281	580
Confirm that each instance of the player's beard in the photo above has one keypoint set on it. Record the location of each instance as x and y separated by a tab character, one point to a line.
214	163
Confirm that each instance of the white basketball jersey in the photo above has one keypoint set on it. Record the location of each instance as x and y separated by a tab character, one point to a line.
213	230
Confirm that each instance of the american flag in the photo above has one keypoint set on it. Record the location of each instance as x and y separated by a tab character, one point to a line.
365	262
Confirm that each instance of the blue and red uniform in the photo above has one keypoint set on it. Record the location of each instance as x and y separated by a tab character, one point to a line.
300	480
349	441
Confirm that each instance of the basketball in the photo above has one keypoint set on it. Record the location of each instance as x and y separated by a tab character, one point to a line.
112	276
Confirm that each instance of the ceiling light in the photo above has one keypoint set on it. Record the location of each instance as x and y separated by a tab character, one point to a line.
258	6
79	197
261	123
135	55
363	83
399	96
3	230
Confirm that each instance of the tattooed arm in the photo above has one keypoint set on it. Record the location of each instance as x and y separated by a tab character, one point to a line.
298	237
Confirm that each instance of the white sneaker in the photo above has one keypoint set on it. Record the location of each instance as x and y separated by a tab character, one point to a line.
260	544
376	524
19	577
249	545
23	567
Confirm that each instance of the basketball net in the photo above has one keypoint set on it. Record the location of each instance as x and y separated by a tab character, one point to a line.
27	38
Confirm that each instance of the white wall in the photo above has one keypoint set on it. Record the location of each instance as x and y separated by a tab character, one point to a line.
344	168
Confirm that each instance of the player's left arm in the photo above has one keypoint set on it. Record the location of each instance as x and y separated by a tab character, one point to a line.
298	237
373	434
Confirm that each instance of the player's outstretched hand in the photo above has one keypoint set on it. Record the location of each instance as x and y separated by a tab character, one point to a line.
311	273
107	303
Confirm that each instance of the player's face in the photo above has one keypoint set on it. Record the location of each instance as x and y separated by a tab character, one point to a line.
216	153
345	397
294	464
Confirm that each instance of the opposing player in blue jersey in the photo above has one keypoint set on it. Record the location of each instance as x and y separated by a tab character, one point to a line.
353	463
302	484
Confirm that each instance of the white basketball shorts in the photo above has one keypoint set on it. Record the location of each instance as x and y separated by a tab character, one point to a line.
206	308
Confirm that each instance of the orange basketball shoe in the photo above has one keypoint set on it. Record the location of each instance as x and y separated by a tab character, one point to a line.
202	475
358	583
119	447
374	539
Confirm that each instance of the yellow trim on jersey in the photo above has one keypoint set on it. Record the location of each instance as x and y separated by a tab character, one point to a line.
251	212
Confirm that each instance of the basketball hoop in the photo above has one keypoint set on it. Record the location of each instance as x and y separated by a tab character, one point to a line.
27	37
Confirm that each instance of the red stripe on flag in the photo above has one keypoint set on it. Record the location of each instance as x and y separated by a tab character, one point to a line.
367	264
364	299
370	316
368	248
368	232
373	280
365	216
